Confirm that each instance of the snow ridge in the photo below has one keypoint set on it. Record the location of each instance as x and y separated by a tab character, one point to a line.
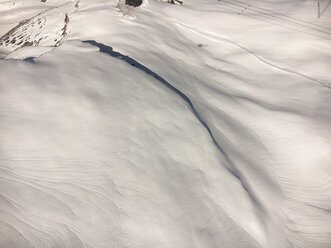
231	168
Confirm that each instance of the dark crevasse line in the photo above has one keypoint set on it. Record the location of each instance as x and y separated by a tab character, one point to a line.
109	50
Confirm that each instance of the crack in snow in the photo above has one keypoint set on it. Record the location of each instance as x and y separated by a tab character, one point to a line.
109	50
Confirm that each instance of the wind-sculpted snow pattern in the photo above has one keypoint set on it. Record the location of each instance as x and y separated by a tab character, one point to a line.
109	50
160	124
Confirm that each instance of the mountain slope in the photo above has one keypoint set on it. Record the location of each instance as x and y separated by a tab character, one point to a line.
205	124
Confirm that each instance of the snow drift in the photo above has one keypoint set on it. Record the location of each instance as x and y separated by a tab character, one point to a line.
205	124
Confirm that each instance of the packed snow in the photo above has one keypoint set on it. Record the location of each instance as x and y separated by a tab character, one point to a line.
158	124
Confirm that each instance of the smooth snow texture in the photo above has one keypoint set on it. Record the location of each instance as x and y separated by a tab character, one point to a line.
205	124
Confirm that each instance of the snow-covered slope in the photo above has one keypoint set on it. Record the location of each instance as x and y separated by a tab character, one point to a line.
206	124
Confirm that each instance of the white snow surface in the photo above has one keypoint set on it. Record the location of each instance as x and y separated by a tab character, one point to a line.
200	125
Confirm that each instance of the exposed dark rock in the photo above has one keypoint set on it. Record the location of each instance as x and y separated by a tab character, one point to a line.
27	44
176	2
134	3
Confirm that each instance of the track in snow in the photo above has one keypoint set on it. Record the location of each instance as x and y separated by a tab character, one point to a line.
277	18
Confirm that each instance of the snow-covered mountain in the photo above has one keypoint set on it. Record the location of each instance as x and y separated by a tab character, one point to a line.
194	124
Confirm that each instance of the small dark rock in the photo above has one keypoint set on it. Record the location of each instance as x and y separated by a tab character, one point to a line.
27	44
134	3
176	2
